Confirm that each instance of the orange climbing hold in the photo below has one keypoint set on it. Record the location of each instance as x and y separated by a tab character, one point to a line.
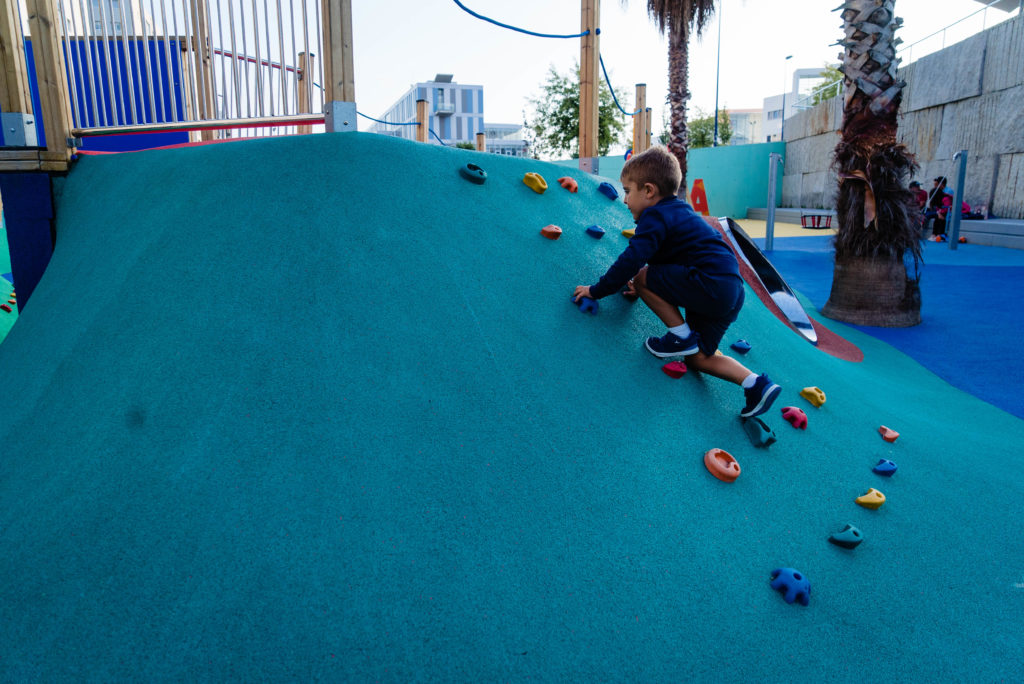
568	183
551	232
535	182
887	434
722	465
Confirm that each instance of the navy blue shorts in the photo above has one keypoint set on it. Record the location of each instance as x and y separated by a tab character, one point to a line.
711	303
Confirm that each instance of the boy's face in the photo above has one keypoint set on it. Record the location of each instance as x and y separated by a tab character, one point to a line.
638	197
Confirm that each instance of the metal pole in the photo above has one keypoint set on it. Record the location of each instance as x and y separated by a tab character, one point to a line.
958	198
774	158
782	136
718	63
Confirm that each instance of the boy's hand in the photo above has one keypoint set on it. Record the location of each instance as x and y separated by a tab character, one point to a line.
580	291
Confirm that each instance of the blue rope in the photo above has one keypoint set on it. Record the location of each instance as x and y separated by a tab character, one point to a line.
389	123
608	81
438	139
529	33
413	123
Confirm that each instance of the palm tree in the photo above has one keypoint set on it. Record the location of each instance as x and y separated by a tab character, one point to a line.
878	229
678	18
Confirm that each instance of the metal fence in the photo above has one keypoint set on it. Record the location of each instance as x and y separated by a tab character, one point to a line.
228	67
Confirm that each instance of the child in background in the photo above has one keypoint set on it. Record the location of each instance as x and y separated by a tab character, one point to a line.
676	260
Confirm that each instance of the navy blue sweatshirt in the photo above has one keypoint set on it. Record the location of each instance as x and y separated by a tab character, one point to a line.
670	232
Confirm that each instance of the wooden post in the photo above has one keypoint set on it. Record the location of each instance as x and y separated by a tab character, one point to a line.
44	24
421	119
339	69
302	83
638	118
481	142
187	77
647	128
15	97
589	68
204	68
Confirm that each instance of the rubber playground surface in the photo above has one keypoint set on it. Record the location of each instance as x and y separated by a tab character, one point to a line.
333	417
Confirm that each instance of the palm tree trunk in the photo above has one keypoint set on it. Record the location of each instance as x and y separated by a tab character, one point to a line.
877	225
679	94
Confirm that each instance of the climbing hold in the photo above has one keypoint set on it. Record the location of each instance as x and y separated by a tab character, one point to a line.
473	173
796	417
674	369
568	183
962	240
595	231
885	467
813	395
887	434
551	232
12	300
758	431
5	308
792	585
535	182
629	232
872	499
608	190
742	346
586	304
722	465
848	538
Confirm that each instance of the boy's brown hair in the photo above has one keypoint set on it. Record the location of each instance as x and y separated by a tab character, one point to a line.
657	166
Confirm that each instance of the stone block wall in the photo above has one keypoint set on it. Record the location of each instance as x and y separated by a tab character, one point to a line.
969	96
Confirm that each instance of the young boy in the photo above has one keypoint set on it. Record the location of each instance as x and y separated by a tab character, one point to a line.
675	259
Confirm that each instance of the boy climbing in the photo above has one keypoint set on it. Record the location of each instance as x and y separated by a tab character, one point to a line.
676	260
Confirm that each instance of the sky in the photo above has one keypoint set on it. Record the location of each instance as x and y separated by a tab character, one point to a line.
401	42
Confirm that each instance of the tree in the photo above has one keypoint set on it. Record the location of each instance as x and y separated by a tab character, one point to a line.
878	226
556	127
702	129
678	18
465	146
827	89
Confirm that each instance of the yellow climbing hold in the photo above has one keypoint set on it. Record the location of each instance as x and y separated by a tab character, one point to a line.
629	232
535	182
813	395
872	499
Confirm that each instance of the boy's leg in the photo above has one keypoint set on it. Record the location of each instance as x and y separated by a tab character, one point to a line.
667	312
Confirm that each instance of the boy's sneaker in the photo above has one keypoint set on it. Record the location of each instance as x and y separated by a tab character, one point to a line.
673	345
760	397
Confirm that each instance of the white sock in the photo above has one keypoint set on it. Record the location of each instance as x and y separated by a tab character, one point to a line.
682	331
749	381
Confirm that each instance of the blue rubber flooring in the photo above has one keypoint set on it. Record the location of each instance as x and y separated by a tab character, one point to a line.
971	328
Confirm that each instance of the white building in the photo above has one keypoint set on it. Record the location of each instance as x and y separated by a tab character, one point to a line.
746	126
804	81
455	113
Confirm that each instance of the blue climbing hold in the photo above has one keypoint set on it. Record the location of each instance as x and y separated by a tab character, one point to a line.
595	231
608	190
848	538
792	585
758	432
885	467
586	304
742	346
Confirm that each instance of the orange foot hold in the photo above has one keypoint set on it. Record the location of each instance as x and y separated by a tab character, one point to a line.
551	232
887	434
722	465
568	183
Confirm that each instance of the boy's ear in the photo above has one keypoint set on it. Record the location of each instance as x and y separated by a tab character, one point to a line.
650	189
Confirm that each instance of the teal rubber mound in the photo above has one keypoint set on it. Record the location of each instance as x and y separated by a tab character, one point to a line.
318	408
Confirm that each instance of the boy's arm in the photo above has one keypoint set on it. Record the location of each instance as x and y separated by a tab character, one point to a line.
641	248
